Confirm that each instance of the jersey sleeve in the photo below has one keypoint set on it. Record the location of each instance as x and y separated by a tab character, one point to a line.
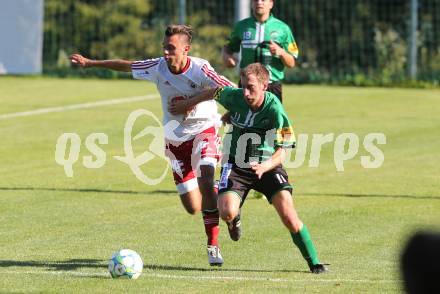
290	44
145	69
285	137
211	79
234	40
225	96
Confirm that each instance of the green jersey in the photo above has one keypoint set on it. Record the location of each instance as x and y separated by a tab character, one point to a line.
255	135
253	38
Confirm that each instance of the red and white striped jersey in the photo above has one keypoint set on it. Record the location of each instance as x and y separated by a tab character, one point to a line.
196	76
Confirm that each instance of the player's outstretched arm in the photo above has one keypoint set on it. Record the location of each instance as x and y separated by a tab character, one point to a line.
182	106
116	64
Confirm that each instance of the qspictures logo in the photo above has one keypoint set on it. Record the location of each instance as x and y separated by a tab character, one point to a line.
345	147
68	156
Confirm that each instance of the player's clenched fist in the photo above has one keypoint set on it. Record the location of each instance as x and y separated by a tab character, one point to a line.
80	60
275	49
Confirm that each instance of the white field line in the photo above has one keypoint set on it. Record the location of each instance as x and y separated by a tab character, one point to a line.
78	106
189	277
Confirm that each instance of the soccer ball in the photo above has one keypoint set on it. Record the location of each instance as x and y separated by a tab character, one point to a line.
125	263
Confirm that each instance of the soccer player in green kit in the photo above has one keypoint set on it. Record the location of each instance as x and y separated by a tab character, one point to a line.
261	131
265	39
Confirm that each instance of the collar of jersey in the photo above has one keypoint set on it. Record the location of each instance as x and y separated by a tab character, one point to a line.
185	68
268	19
265	102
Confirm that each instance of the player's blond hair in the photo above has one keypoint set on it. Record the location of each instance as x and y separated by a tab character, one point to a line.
184	30
258	70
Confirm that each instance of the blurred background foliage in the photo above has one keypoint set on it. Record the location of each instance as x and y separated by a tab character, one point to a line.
353	42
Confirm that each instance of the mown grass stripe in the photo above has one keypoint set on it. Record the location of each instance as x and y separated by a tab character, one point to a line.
77	106
189	277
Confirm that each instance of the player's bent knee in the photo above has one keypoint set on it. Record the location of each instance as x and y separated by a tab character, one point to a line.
227	216
228	206
227	213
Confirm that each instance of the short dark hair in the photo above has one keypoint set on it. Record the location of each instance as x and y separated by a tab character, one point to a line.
180	30
257	69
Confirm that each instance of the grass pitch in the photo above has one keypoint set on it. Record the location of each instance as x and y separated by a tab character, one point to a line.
56	232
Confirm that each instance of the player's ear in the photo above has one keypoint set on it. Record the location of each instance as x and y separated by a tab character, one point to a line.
186	48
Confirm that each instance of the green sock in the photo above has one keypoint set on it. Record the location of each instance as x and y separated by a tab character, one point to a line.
304	242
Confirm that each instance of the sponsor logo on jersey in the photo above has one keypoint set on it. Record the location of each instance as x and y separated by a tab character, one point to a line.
274	36
265	122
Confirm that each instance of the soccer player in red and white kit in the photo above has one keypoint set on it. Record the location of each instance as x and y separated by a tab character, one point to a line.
191	141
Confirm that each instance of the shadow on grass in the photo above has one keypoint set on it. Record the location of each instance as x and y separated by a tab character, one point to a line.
222	269
66	265
88	190
75	264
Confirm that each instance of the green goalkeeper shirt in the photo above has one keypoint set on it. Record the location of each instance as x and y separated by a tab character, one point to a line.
257	134
253	38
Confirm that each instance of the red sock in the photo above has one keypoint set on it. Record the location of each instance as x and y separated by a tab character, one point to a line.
212	229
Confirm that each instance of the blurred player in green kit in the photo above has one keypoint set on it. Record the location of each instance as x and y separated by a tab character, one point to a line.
265	39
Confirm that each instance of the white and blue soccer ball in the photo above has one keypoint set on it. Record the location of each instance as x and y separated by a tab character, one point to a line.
125	263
